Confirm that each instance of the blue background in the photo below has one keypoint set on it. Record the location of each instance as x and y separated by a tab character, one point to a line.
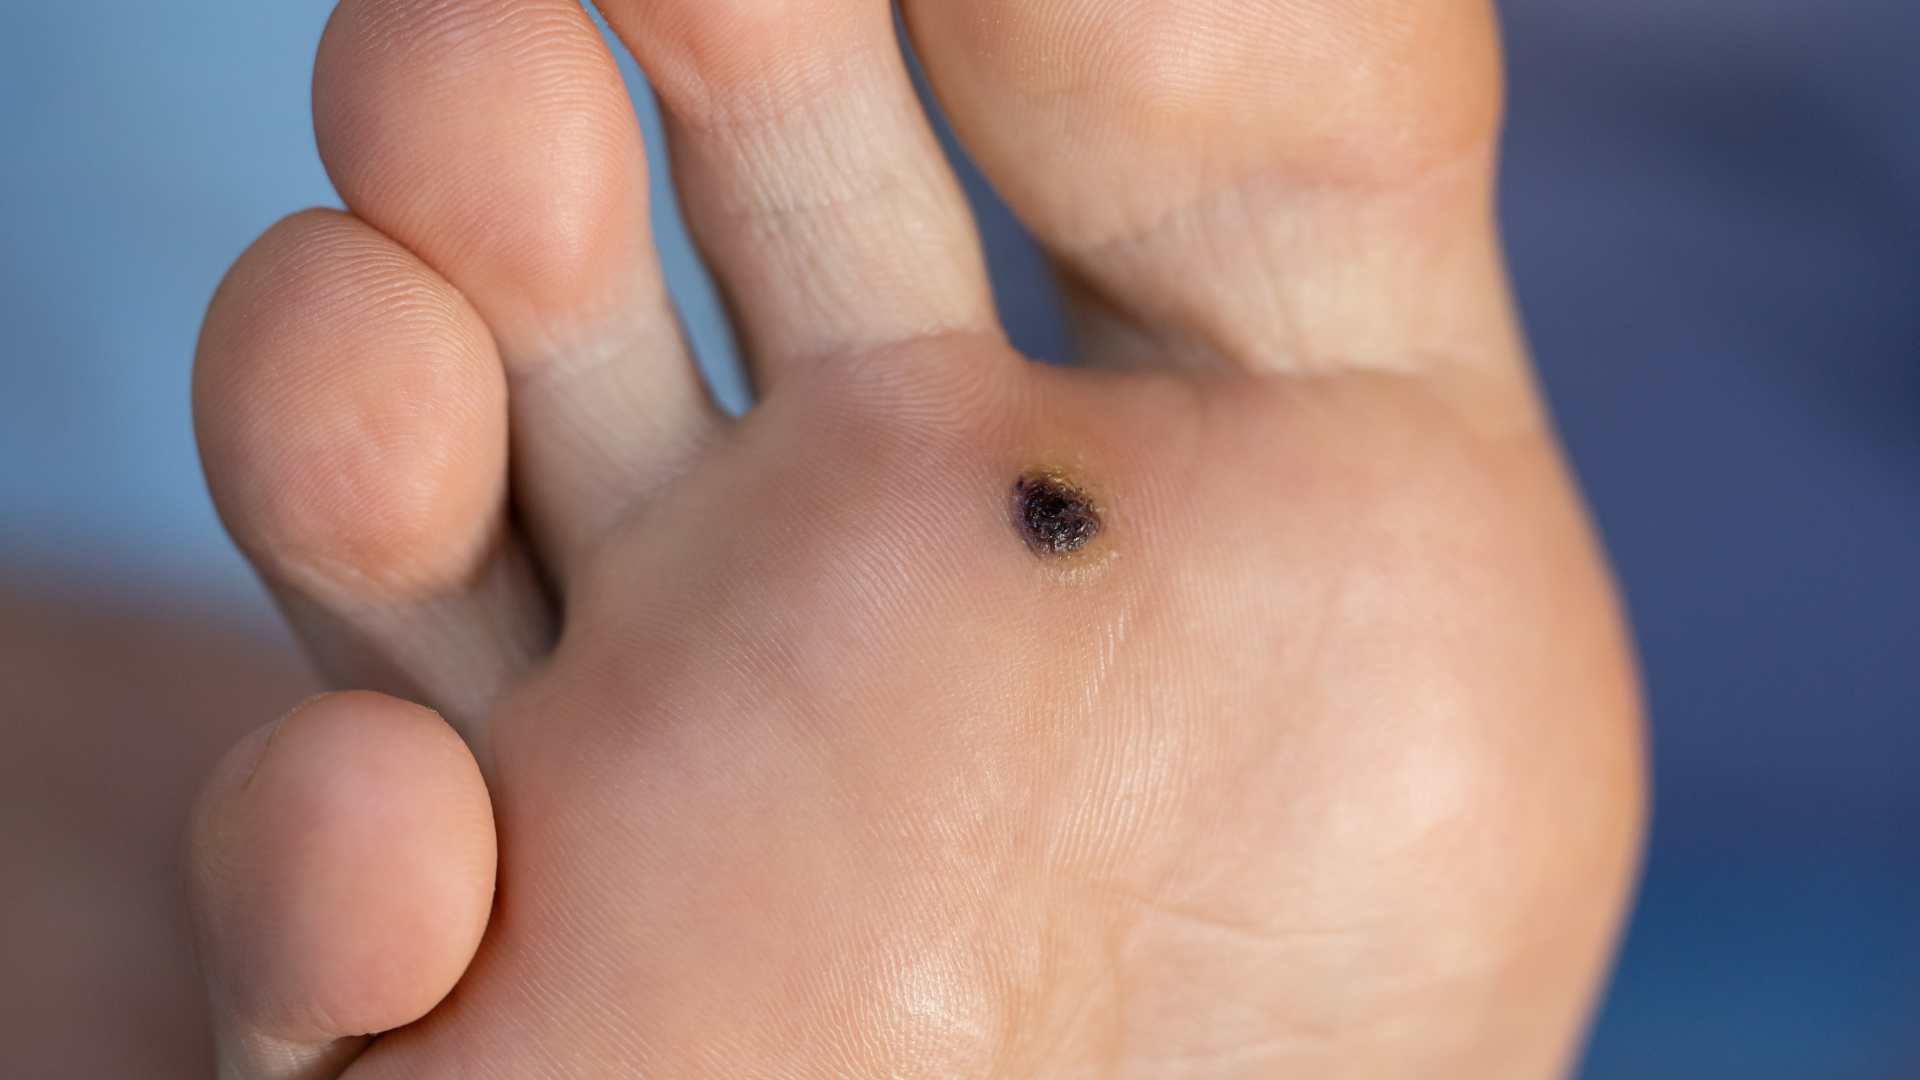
1714	214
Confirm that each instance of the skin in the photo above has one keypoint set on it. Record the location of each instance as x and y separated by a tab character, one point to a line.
1322	758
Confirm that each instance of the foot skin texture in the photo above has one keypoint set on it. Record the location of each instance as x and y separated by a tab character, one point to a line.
1247	700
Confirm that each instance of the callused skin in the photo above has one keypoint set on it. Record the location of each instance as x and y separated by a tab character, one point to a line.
1324	763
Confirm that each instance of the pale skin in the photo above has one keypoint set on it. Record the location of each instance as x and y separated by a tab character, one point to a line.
768	747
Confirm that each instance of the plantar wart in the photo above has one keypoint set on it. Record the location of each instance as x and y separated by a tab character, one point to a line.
1053	516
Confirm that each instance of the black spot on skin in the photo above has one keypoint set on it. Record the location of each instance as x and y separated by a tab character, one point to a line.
1054	517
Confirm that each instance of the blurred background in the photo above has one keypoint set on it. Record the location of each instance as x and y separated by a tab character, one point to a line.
1714	214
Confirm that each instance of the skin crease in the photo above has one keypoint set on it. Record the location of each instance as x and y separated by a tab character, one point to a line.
1322	758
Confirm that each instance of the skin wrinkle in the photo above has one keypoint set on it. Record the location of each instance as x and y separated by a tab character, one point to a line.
830	81
1184	225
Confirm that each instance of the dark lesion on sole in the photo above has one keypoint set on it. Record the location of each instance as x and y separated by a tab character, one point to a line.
1055	516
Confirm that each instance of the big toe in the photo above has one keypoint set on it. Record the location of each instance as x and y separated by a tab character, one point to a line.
1280	184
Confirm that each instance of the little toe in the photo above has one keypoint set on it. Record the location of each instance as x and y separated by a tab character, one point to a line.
341	865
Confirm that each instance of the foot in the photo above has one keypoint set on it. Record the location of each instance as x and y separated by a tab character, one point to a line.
1249	700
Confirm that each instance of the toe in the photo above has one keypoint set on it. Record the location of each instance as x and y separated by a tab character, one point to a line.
352	420
341	864
1277	184
495	139
810	176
